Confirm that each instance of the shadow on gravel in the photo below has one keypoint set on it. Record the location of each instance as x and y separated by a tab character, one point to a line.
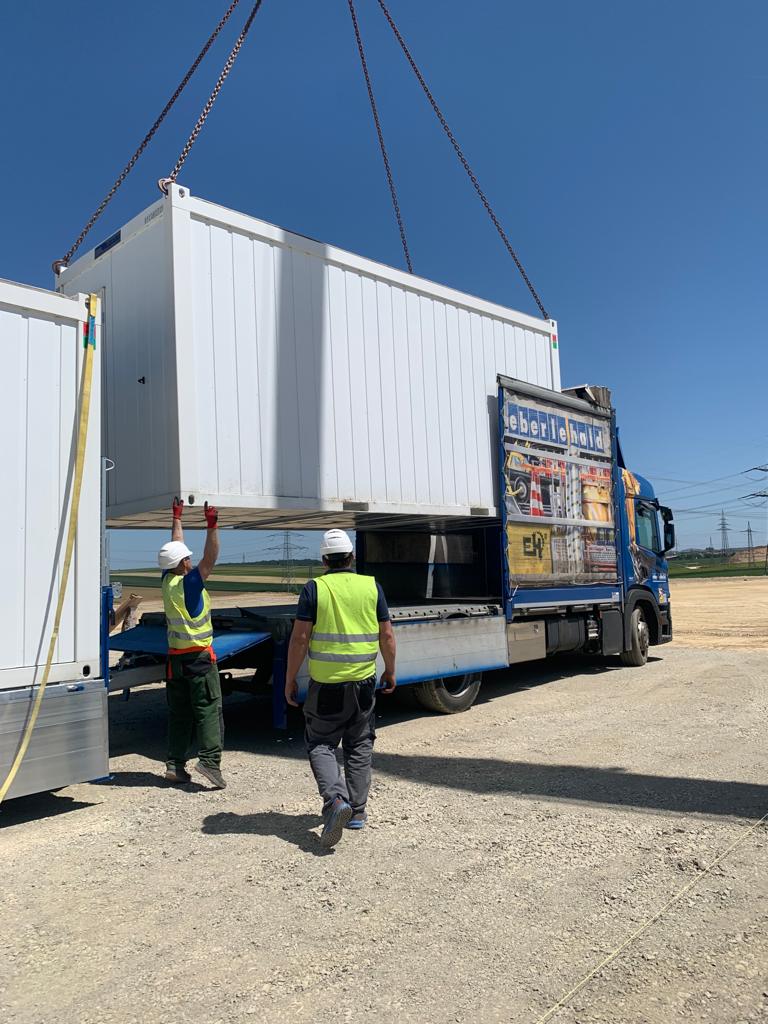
139	725
581	784
293	828
22	809
150	780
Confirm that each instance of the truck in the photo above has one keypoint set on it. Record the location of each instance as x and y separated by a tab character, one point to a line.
576	563
298	386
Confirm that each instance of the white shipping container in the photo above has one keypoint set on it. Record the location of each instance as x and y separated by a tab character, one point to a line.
42	354
292	383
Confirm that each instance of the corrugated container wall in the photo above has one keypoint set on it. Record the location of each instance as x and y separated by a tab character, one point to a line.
42	351
290	382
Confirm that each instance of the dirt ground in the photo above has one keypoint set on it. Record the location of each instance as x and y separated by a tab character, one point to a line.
509	849
716	613
725	613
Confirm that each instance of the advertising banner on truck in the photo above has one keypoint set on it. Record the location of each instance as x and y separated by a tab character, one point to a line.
556	491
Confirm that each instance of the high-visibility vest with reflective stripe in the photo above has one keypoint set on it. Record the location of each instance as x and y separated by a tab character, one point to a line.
185	630
345	639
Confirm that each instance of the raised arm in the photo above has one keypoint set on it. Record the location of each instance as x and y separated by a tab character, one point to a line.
212	546
177	531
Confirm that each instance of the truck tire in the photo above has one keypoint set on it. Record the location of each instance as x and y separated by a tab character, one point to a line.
449	694
640	637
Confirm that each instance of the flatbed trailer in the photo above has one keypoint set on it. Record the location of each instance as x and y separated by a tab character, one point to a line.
579	568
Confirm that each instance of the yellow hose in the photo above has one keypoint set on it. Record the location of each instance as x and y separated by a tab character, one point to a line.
82	437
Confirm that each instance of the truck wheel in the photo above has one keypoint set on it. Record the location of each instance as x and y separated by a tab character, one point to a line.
449	694
637	654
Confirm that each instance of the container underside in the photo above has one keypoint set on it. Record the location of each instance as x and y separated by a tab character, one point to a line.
305	519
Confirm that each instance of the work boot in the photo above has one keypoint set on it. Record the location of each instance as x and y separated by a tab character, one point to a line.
338	816
178	775
213	775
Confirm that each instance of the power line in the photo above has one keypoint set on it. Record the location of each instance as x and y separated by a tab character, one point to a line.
700	483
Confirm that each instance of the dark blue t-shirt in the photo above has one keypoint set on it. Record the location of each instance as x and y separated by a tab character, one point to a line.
306	610
193	591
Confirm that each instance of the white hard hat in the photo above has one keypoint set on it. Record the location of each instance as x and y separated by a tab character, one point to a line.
170	554
336	542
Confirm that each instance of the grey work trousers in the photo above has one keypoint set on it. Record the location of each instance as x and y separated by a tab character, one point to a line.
341	713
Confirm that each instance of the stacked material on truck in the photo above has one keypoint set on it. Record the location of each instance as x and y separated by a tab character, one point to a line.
294	384
41	340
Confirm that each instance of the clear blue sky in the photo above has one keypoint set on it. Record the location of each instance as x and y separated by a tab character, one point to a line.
623	145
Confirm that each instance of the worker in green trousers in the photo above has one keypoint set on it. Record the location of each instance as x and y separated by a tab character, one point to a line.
193	689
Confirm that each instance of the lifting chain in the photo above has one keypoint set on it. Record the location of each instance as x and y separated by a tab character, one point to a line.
164	183
462	158
58	265
377	122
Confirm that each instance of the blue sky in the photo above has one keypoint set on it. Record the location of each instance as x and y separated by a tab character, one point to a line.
623	146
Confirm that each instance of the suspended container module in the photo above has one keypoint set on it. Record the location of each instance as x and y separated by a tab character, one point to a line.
291	383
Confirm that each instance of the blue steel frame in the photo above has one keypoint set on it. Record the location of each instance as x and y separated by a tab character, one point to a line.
107	606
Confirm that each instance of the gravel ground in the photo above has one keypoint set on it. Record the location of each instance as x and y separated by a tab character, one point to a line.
509	849
729	612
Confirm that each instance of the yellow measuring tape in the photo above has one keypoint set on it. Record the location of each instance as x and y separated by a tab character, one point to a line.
746	833
89	340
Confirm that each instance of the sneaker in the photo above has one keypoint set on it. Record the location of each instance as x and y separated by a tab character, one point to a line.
178	775
357	821
213	775
335	823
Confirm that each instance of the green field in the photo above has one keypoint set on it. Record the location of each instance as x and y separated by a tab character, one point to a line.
701	570
678	569
227	586
132	580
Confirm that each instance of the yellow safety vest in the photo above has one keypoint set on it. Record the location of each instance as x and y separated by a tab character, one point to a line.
345	639
184	630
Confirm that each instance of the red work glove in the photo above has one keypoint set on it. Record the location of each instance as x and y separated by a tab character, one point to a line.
211	516
178	508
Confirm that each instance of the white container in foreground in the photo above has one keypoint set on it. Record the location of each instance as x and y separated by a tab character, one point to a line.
42	357
292	383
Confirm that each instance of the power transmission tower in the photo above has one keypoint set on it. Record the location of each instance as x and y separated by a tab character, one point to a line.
289	549
750	548
760	495
723	527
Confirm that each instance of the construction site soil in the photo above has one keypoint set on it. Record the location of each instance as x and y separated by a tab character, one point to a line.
509	850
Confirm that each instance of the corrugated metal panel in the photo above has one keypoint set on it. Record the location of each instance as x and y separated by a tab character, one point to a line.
42	360
69	743
305	377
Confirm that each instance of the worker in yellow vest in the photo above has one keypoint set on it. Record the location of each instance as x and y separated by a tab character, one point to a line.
342	622
193	689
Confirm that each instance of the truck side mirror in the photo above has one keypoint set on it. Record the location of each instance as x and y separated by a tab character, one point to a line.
669	529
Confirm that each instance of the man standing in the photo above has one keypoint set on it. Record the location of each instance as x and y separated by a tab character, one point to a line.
342	620
193	690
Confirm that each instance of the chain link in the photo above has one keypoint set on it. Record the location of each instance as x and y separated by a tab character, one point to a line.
376	121
163	183
462	158
58	265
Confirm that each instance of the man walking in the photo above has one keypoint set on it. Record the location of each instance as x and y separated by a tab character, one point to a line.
342	620
193	690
